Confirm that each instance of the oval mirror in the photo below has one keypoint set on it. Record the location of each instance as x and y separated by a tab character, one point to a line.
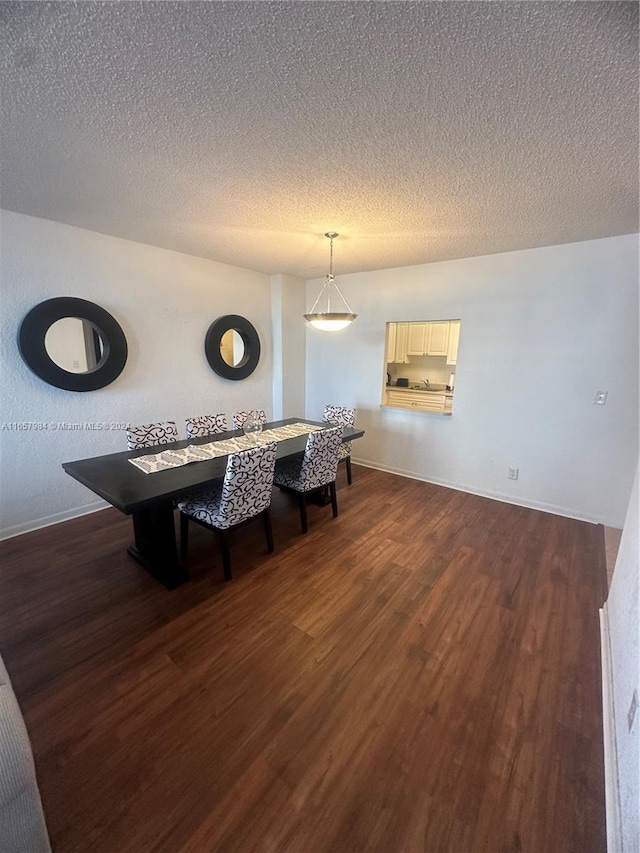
232	347
72	344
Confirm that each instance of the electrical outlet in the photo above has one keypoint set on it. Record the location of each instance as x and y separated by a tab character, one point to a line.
512	473
633	707
601	398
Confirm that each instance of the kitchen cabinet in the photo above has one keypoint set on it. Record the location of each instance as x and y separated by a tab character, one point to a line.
420	401
428	338
438	338
397	343
391	342
418	339
454	339
402	330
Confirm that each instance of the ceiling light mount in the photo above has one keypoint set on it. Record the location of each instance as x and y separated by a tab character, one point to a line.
330	321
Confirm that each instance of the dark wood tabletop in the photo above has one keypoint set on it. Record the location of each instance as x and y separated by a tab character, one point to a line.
129	489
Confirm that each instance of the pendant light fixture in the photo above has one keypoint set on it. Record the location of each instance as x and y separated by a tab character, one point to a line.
330	321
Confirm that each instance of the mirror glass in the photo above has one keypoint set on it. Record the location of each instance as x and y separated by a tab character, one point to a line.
75	345
232	347
421	360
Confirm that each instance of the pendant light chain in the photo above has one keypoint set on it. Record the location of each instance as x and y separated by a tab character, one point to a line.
329	278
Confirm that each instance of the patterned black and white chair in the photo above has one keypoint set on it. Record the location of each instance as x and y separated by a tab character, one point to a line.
239	418
313	470
206	425
345	417
243	494
149	435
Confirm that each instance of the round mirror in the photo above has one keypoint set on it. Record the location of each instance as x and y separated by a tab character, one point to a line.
232	347
75	345
72	344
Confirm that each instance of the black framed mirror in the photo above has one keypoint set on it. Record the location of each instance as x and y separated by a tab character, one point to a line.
72	344
232	347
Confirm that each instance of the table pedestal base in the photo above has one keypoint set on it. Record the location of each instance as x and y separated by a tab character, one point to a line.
155	544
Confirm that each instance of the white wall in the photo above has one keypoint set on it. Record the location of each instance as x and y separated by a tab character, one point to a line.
165	302
541	331
288	295
623	620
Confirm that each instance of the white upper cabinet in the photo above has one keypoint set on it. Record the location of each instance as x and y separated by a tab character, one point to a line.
438	338
397	343
418	339
391	342
401	342
428	338
454	339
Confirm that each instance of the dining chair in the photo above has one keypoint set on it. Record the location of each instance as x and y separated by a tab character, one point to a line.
345	417
243	494
312	470
239	418
149	435
206	425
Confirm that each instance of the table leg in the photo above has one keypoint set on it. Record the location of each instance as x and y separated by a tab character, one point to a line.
155	544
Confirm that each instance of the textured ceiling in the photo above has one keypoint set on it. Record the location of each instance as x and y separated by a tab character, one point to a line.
242	131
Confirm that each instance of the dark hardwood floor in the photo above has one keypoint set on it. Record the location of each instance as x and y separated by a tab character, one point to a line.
420	674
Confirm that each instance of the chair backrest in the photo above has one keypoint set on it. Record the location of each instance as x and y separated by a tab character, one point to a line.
239	418
339	415
149	435
22	825
247	486
320	461
206	425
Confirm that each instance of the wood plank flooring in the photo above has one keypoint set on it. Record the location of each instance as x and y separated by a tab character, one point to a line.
419	675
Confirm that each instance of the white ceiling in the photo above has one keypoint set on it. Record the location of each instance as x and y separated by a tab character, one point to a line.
242	131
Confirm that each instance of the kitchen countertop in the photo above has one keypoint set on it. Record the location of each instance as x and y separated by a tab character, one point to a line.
422	390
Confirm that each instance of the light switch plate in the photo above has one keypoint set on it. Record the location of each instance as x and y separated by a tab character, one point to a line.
601	398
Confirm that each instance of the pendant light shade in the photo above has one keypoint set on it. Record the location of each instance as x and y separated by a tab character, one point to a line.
328	320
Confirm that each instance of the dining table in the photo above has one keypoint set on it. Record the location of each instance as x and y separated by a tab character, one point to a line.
150	497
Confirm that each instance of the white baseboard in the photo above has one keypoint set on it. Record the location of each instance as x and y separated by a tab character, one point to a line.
566	512
47	521
611	783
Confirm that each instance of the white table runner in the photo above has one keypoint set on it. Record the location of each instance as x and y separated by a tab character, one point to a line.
166	459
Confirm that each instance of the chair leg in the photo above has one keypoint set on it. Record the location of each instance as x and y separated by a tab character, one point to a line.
184	534
268	532
302	500
334	499
224	551
348	461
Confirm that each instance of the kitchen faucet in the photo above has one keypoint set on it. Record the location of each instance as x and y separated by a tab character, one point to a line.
426	382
